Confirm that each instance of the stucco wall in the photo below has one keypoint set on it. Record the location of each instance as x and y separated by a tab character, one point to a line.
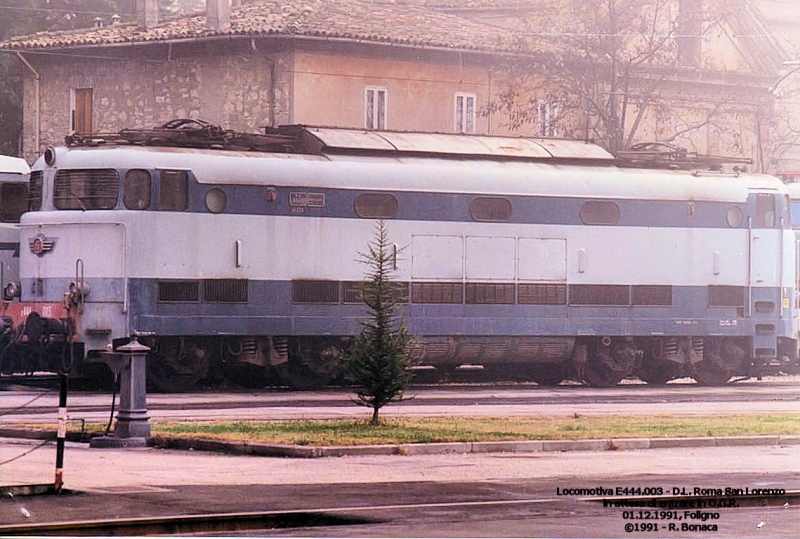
329	90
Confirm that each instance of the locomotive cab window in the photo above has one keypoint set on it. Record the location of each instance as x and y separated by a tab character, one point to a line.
136	190
794	211
13	201
174	190
765	210
35	191
376	206
490	209
599	212
91	189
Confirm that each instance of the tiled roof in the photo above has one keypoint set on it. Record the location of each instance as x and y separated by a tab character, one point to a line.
362	20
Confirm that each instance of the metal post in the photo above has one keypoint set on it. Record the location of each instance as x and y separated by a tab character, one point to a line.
132	418
132	428
62	432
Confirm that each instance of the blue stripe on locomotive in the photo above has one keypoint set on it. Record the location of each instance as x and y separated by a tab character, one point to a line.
445	207
270	311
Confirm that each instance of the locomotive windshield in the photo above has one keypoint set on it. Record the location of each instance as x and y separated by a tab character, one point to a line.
13	201
794	209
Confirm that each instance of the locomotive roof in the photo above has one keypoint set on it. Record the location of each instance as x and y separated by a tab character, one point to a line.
794	190
441	173
339	140
13	165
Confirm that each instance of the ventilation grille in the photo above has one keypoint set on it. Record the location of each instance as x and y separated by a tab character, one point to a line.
353	291
225	290
726	296
597	294
652	295
542	294
315	291
437	293
490	293
178	291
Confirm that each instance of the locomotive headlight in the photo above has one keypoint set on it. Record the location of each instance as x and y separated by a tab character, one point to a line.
79	289
12	290
50	156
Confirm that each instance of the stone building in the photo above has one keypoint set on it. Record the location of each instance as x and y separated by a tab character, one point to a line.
421	65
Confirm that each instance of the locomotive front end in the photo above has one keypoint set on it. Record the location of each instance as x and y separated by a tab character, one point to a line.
72	256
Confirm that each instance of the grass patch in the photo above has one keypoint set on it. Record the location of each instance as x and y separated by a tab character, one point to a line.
465	429
469	429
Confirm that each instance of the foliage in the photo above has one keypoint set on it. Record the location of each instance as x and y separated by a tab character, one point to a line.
378	361
600	67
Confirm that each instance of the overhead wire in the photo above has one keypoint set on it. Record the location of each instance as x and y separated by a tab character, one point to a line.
11	410
28	452
16	409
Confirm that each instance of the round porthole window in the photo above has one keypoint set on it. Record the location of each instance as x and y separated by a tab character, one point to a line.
216	200
735	216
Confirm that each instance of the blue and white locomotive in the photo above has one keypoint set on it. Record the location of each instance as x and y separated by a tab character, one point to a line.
238	255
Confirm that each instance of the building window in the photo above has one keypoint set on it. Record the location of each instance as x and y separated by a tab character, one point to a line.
547	115
375	108
690	32
464	121
80	110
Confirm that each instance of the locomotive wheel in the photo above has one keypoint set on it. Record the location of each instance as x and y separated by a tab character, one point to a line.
722	359
710	373
177	364
600	373
608	365
313	365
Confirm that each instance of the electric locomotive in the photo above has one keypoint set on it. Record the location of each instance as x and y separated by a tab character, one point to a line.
237	256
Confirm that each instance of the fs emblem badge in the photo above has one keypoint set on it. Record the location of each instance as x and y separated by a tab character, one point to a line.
41	244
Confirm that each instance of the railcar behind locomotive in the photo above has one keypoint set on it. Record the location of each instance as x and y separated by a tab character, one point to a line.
236	255
14	174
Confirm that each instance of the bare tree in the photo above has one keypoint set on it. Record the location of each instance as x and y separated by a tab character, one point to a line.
602	70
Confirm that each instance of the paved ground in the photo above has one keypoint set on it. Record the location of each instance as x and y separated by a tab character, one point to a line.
779	395
509	494
120	483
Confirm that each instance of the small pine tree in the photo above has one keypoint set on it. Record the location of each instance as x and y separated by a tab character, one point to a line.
378	361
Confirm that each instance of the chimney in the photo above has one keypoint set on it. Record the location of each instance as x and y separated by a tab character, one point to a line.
218	14
146	14
98	22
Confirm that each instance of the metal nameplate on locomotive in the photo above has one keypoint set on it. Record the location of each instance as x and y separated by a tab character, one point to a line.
300	199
